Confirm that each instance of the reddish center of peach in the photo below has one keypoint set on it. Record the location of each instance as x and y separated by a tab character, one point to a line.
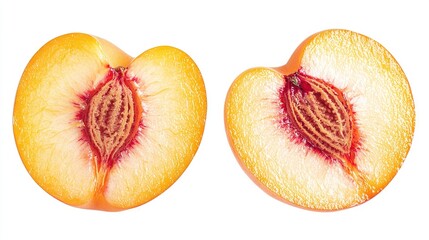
320	116
112	116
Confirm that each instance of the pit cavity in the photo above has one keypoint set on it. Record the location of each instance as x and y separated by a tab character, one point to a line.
319	115
111	116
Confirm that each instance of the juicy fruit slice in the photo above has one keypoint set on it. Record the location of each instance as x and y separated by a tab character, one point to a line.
98	129
328	130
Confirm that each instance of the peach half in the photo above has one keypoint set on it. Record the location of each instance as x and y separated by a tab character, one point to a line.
328	130
98	129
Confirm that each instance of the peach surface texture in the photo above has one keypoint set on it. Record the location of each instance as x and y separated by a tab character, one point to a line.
328	130
98	129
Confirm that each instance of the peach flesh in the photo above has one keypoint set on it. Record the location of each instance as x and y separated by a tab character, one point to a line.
111	117
320	116
283	163
63	149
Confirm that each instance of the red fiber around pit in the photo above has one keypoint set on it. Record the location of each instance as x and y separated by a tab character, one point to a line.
298	82
81	116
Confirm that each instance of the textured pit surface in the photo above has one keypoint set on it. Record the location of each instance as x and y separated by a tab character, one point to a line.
321	117
112	117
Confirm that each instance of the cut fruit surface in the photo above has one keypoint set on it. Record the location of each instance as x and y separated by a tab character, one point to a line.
98	129
328	130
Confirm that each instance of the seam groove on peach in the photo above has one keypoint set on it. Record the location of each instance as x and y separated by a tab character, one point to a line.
328	130
98	129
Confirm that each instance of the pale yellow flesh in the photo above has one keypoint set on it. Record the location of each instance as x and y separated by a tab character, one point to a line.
48	134
378	89
174	102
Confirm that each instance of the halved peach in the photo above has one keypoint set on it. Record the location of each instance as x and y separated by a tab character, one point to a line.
328	130
98	129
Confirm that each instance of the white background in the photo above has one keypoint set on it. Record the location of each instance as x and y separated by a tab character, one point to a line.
214	198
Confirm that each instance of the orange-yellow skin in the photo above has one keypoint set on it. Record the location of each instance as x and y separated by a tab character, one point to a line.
49	136
377	88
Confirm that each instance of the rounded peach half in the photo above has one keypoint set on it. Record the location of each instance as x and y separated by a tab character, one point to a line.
98	129
328	130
